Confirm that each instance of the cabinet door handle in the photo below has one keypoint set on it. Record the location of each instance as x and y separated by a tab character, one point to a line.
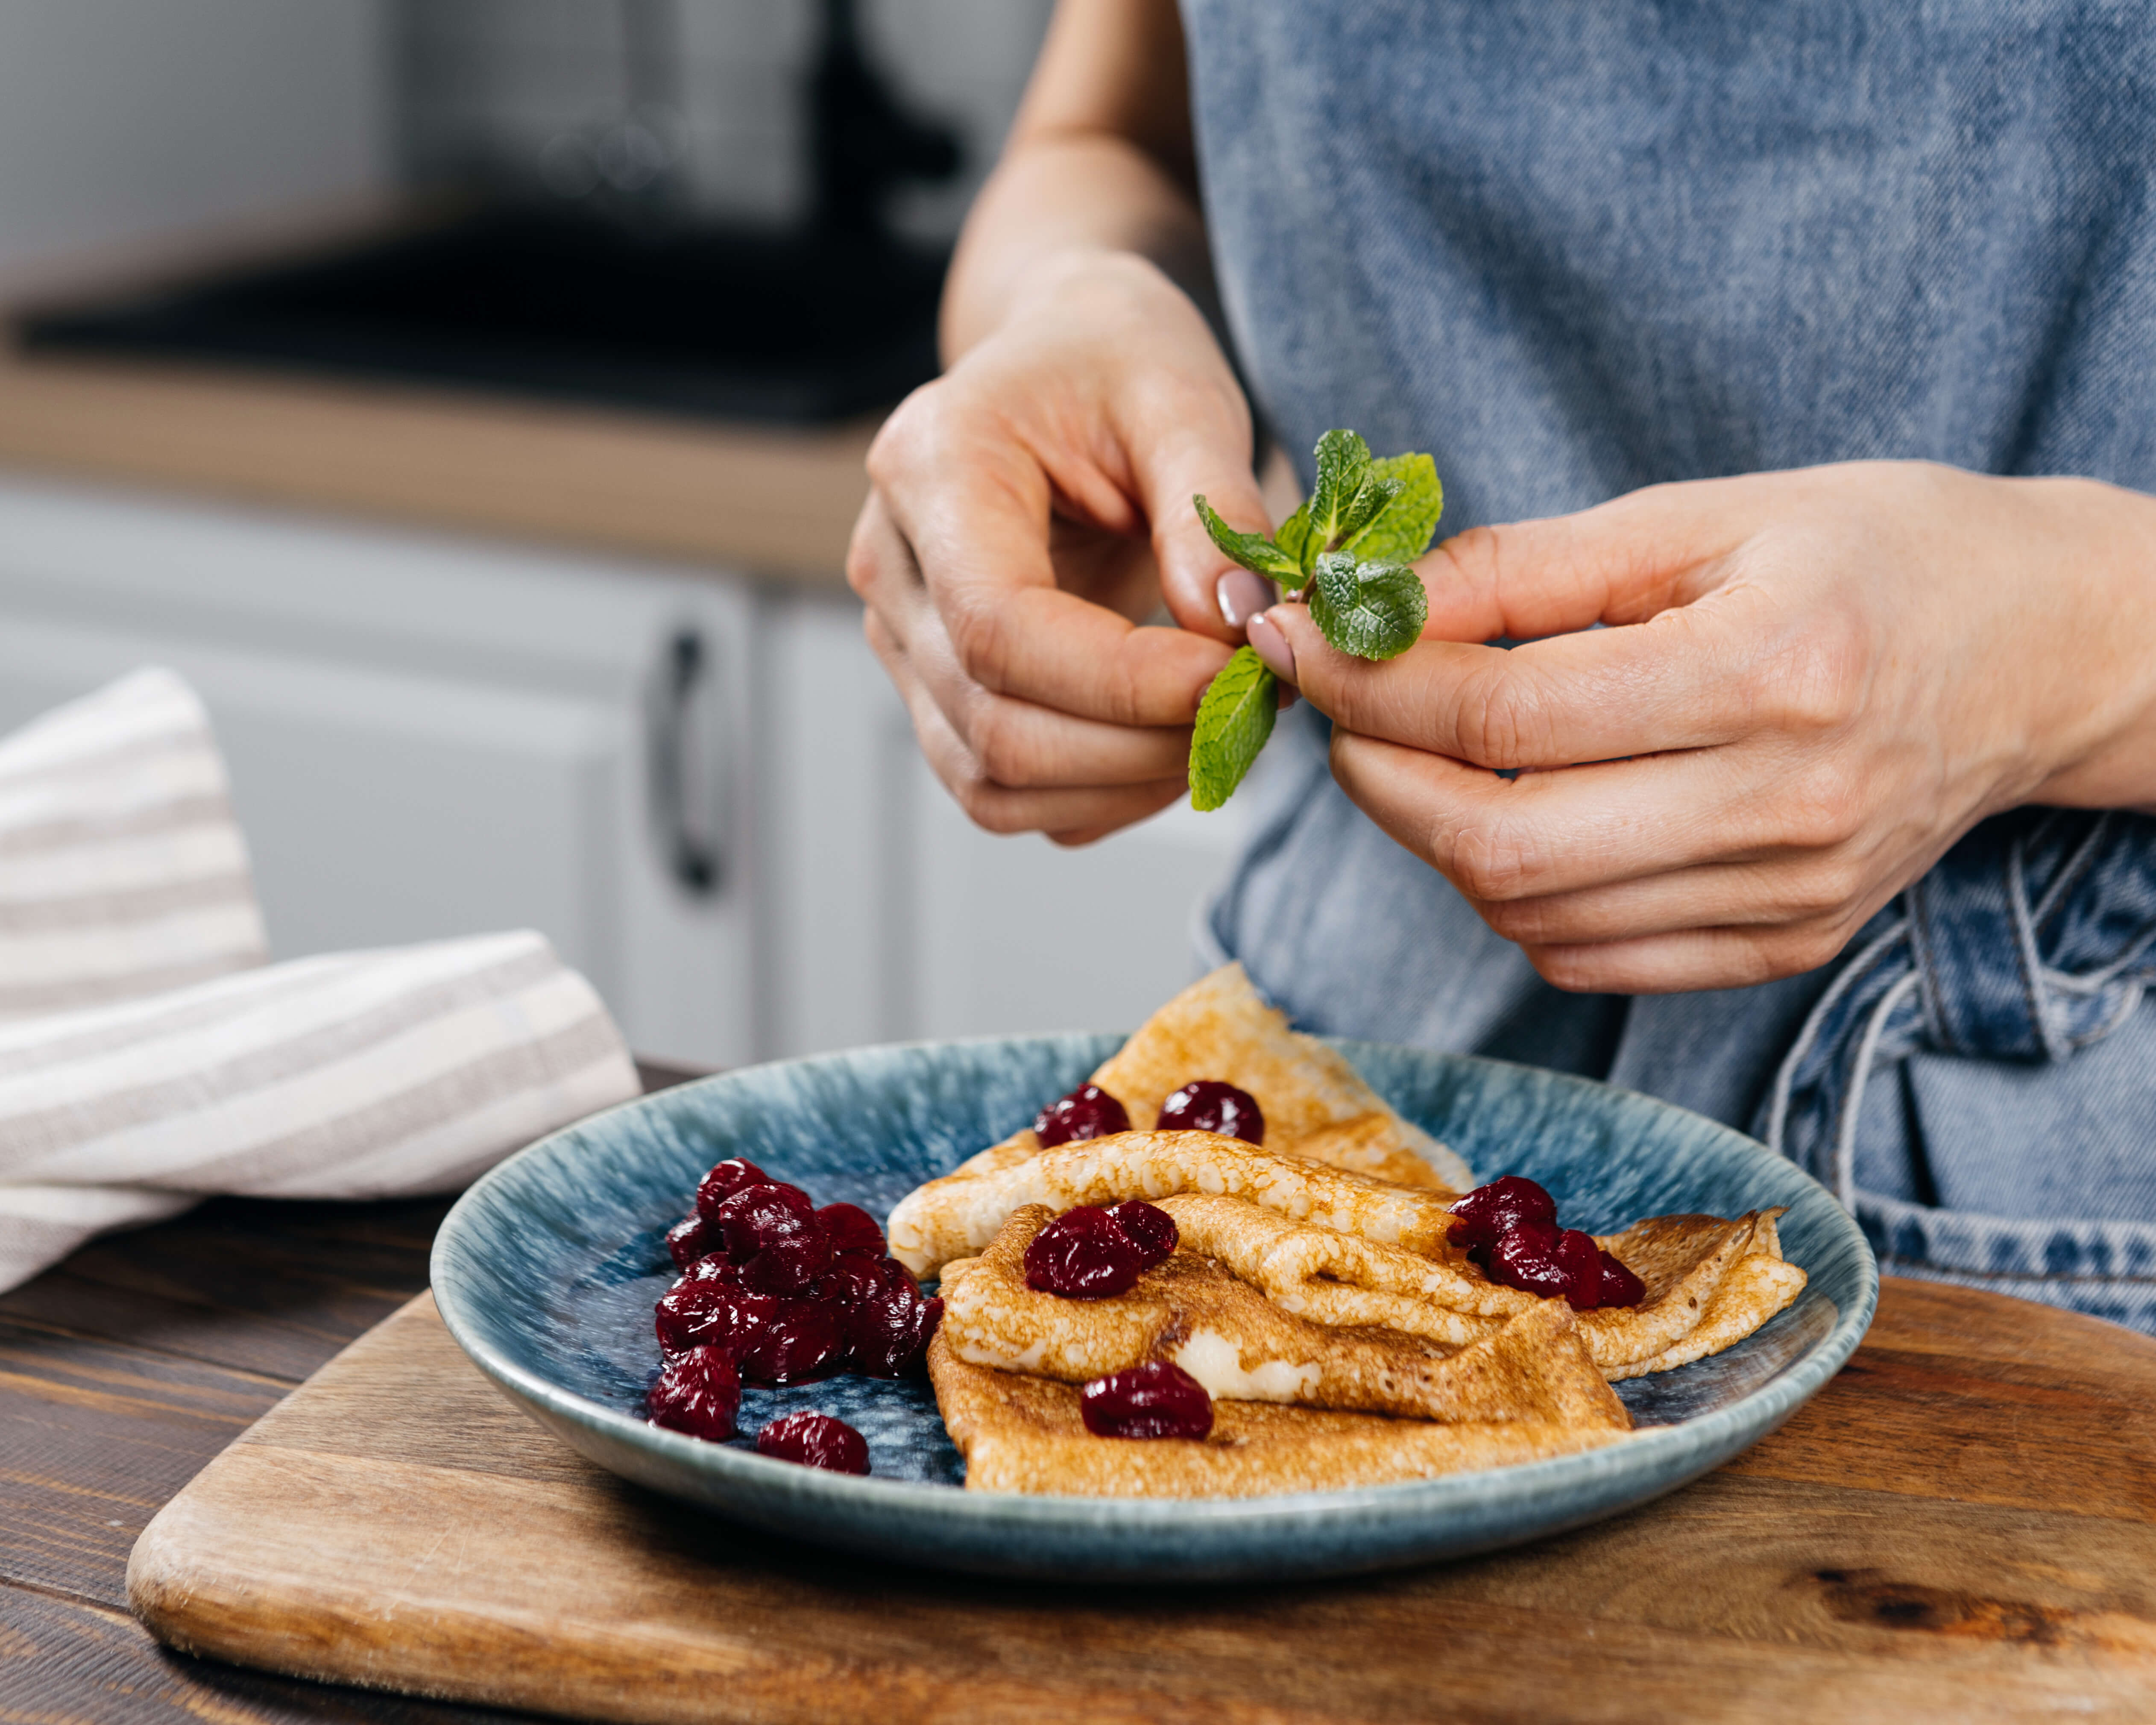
692	857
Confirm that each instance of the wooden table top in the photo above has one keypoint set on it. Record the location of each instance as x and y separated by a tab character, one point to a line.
1999	1517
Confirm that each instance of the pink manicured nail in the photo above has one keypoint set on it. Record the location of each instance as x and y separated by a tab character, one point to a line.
1271	644
1241	595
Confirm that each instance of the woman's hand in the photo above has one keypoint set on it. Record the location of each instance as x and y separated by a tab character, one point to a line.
1811	684
1029	510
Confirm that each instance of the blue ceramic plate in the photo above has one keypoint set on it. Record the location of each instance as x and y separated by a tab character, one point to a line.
547	1271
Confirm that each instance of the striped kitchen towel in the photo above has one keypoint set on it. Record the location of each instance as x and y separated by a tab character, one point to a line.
354	1075
121	869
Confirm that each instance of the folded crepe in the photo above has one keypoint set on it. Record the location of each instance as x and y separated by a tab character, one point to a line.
957	1216
1199	1314
1026	1434
1314	1103
1709	1282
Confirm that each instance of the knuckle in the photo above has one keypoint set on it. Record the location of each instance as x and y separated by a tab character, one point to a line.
980	637
1823	677
1489	860
1500	722
1001	744
911	423
1824	807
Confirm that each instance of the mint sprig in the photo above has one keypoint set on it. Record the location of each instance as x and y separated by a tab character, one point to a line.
1348	547
1233	720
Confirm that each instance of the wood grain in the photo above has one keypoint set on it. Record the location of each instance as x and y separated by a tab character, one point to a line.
1959	1526
127	1368
771	503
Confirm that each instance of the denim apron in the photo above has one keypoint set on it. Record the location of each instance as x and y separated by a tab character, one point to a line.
1572	249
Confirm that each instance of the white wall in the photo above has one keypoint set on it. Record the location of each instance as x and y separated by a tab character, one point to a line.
126	121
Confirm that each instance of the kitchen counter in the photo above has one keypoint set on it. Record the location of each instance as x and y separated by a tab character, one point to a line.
770	501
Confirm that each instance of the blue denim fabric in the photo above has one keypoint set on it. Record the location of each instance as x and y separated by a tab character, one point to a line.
1572	250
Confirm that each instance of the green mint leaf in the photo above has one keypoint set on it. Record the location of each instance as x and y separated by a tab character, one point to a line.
1294	539
1402	528
1343	461
1253	551
1371	610
1233	720
1372	497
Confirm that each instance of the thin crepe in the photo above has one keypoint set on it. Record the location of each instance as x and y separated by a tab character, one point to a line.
1314	1103
1197	1313
1026	1434
957	1216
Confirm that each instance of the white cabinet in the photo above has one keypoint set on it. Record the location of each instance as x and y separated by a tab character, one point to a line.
892	915
427	737
706	795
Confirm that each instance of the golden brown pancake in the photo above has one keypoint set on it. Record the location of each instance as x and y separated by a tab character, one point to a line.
957	1215
1710	1283
1315	1103
1025	1434
1196	1313
1335	1278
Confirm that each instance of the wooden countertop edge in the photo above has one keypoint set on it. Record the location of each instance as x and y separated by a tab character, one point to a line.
771	503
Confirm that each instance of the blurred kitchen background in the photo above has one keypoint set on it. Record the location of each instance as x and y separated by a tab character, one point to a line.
468	398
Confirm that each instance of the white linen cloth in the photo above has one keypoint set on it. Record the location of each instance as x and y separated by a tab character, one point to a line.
149	1057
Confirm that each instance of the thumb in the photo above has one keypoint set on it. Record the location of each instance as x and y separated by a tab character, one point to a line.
1204	590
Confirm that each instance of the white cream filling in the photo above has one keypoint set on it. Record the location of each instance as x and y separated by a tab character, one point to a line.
1217	1363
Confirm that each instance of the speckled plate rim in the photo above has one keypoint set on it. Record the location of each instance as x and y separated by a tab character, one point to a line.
1213	1539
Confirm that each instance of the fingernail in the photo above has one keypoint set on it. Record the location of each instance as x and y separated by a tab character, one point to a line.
1271	644
1241	595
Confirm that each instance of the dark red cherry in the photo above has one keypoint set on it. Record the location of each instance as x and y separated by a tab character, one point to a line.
1082	1255
1207	1105
1620	1287
815	1440
887	1334
759	1216
698	1393
1581	1260
788	1266
1525	1258
1154	1400
801	1341
1153	1231
725	1180
692	1314
1488	1213
851	1228
693	1238
1087	1112
850	1278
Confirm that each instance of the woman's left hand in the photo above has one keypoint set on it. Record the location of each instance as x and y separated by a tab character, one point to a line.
1810	684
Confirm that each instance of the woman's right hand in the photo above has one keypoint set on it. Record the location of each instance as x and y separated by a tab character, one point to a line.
1028	512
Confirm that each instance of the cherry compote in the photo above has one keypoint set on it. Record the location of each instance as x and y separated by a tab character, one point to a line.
691	1238
1087	1112
887	1334
1486	1214
815	1440
698	1392
783	1292
1209	1105
1149	1228
1156	1400
800	1341
1509	1227
764	1214
1089	1254
850	1228
726	1180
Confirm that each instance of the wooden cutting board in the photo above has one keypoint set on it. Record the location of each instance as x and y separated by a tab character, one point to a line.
1959	1526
